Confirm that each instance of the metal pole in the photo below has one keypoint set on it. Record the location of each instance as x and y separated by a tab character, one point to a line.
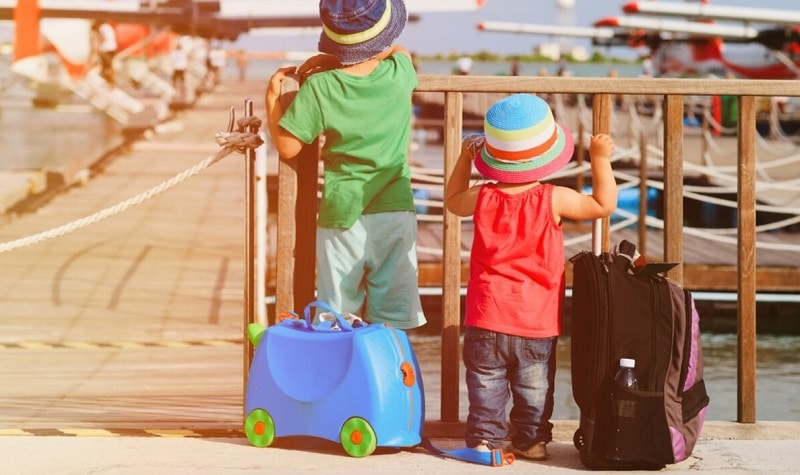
250	246
261	223
643	176
601	124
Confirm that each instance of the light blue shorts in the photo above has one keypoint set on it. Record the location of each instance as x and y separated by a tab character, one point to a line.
370	270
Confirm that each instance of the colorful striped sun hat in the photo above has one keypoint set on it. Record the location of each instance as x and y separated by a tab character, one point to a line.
523	141
356	30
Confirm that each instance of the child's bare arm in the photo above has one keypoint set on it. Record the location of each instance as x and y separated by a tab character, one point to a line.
285	143
460	198
604	186
568	203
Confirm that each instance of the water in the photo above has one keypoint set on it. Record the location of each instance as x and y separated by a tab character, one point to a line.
258	69
63	139
71	136
66	139
534	69
778	376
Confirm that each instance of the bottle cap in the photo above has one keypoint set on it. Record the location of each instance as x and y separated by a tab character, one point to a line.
627	363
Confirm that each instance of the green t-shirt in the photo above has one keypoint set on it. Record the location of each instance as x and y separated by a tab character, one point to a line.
366	121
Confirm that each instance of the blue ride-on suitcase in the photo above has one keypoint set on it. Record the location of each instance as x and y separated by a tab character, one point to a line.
358	385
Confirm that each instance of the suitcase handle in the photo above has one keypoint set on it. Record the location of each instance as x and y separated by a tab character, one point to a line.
346	327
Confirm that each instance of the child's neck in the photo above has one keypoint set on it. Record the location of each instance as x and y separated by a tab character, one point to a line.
514	188
363	68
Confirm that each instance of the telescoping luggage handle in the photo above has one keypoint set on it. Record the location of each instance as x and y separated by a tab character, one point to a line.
343	324
597	234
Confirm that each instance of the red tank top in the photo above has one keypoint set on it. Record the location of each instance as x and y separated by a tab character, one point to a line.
516	283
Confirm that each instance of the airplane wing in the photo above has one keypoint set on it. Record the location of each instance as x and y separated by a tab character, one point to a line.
704	11
693	44
244	15
546	30
600	36
210	26
213	19
250	8
203	19
694	28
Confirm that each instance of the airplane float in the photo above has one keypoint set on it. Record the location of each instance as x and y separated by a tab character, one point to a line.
53	42
698	45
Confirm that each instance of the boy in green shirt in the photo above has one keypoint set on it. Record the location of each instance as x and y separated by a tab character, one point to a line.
361	103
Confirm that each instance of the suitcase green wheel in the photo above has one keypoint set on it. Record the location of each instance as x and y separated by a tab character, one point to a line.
357	437
259	428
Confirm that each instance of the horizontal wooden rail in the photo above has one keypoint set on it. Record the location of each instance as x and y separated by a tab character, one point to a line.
652	86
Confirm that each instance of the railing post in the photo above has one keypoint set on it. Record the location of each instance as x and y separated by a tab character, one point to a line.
305	252
451	286
673	184
297	222
746	262
286	230
296	244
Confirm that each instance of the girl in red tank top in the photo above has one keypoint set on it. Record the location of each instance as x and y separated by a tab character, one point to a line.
516	283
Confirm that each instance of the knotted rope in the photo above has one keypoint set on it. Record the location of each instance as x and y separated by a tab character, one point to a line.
241	140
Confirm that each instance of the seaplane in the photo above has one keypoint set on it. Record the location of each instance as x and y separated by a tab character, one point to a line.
53	38
693	39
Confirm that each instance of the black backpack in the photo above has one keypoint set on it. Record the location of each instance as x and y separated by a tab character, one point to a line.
624	311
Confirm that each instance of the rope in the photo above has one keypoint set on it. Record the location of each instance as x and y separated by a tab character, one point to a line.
726	181
716	125
229	142
708	234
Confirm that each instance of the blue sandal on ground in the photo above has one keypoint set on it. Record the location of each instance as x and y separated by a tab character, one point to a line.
491	457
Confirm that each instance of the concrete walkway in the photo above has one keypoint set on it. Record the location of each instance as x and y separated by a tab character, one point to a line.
175	456
121	341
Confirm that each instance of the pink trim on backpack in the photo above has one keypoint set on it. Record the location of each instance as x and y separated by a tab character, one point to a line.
678	444
691	372
679	450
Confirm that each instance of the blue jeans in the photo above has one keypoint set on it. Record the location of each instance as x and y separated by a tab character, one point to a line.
498	366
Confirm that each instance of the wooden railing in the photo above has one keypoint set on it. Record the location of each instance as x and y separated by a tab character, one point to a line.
295	281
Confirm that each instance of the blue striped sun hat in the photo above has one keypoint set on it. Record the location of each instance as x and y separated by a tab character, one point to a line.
523	141
356	30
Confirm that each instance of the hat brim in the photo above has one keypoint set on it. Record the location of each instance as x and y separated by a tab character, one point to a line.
357	53
531	170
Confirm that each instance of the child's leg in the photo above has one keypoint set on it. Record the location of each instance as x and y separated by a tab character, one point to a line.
340	268
532	382
485	358
392	283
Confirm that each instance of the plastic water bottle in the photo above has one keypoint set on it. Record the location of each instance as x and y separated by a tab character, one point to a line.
624	408
626	376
